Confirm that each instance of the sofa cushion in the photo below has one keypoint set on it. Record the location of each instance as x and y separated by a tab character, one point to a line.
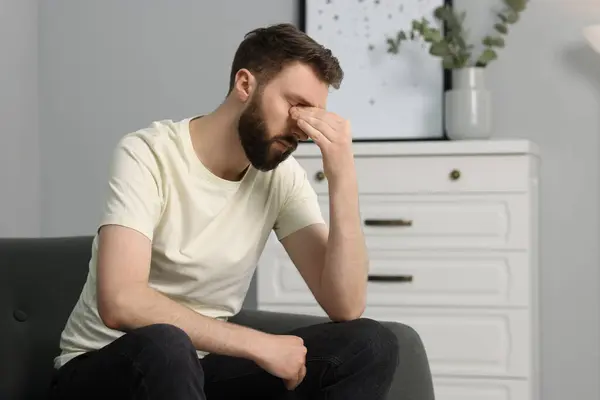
40	282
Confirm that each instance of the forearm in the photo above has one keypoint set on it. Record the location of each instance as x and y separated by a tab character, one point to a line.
345	272
141	306
341	285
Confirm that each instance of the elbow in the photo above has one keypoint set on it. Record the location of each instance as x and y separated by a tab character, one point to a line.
349	313
111	320
109	316
111	310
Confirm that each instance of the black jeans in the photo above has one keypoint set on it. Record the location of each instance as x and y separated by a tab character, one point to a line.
346	360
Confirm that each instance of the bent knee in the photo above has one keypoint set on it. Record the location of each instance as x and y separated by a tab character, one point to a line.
163	354
375	334
165	339
161	332
372	330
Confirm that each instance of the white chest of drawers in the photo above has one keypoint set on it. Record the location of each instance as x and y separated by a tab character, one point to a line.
452	234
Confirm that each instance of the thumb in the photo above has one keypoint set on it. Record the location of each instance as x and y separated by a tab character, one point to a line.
290	384
302	374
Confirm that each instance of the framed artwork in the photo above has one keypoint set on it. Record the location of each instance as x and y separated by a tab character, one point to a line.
387	97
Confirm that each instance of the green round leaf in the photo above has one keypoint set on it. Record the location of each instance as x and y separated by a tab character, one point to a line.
512	18
516	5
439	49
501	28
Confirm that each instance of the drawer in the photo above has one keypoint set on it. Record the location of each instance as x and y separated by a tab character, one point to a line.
459	343
431	174
481	389
458	221
403	278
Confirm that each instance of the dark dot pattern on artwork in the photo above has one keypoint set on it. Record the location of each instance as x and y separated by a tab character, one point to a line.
366	27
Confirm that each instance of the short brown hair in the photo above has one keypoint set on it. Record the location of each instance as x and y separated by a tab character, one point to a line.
266	51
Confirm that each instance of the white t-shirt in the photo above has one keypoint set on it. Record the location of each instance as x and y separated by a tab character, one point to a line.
207	233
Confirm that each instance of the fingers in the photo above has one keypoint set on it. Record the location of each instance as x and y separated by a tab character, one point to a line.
302	371
292	384
313	111
321	126
302	374
299	365
318	124
325	116
312	132
328	118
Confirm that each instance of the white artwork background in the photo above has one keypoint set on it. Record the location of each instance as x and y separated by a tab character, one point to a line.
385	96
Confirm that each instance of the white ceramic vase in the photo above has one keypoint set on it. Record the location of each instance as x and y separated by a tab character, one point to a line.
468	106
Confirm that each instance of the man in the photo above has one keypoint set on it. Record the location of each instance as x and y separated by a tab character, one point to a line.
190	206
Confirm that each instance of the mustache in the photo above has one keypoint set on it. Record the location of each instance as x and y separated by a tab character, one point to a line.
289	139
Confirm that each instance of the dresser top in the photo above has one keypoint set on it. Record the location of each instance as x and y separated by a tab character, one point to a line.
442	147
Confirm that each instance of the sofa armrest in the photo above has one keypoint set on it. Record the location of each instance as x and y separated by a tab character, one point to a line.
412	380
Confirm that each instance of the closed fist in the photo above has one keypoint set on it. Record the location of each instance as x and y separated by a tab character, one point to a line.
284	356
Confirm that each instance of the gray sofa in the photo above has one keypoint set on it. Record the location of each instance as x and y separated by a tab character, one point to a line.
40	281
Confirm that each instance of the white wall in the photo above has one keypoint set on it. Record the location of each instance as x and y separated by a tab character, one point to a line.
111	66
101	79
19	152
172	59
546	87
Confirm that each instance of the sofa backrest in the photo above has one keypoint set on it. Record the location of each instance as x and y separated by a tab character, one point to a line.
40	282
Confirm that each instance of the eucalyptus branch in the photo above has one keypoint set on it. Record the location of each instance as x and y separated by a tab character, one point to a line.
452	46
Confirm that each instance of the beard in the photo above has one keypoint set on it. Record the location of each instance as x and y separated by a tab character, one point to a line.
263	151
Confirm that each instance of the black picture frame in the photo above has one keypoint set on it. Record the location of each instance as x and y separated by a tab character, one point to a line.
447	85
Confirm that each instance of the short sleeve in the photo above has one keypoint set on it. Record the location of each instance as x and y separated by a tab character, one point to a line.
133	198
300	206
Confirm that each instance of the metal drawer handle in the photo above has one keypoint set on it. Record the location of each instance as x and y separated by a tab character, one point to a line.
391	278
454	175
320	176
388	222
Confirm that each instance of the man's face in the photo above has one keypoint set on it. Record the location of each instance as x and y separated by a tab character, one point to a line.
267	132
